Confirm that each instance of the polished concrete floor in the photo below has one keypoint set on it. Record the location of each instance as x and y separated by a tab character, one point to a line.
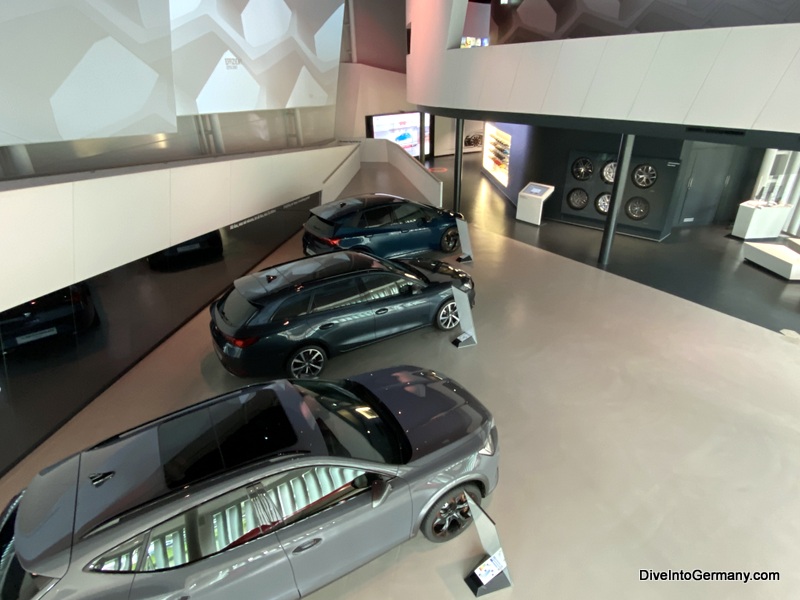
638	431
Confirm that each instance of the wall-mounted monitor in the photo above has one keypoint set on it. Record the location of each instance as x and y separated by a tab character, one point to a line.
402	129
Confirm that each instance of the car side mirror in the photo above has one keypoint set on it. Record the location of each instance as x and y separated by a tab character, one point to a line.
380	491
424	220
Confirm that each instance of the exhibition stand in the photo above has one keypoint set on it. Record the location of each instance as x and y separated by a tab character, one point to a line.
463	238
491	574
757	219
530	202
467	337
781	260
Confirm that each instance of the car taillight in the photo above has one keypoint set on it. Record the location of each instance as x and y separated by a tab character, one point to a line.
332	241
240	342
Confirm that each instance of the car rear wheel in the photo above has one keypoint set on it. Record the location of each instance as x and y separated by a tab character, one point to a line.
447	316
307	361
450	515
449	240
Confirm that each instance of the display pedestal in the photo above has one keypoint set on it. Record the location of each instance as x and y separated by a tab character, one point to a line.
463	238
491	574
777	258
531	200
467	337
500	582
757	220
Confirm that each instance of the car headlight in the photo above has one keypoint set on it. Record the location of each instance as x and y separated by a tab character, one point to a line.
489	447
466	284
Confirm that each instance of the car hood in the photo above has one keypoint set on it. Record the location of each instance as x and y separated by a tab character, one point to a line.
438	271
432	409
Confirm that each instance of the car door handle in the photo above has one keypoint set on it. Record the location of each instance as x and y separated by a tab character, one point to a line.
306	546
381	311
327	325
404	230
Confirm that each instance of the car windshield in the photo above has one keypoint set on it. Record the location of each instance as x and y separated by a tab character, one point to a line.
352	422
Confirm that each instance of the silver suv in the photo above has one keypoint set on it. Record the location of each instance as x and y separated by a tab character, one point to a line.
273	490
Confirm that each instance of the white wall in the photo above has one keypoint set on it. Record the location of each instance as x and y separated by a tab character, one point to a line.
52	235
56	234
740	77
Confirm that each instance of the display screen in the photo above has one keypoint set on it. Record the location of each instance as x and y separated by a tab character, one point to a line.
534	189
402	129
472	42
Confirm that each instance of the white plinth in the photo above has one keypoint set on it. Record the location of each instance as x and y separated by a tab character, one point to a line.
777	258
530	201
754	221
794	244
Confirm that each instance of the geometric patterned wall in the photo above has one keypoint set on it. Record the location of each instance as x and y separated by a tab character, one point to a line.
239	55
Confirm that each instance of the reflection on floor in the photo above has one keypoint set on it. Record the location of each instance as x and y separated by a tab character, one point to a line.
702	264
638	431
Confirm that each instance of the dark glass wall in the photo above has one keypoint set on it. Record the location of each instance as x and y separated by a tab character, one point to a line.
60	351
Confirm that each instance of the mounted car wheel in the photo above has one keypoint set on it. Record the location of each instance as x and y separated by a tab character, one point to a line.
308	361
450	515
644	176
582	168
577	199
449	240
637	208
602	203
447	316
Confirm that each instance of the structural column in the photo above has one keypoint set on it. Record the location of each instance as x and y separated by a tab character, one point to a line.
617	192
458	165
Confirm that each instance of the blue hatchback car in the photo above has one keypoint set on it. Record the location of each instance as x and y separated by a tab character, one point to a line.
381	224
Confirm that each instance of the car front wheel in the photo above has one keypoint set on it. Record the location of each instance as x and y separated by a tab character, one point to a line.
449	240
450	515
307	361
447	315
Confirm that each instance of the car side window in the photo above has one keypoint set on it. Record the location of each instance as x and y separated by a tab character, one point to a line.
406	212
336	294
123	558
294	306
302	492
380	216
225	522
382	285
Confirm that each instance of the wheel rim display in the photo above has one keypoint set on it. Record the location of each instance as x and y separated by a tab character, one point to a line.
637	208
448	316
577	199
582	169
307	362
609	171
644	176
602	202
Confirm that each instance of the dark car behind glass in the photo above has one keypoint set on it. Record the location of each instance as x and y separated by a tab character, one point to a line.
292	317
65	311
197	251
382	224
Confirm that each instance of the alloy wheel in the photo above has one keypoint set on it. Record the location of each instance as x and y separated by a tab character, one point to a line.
448	316
307	363
644	176
582	168
452	516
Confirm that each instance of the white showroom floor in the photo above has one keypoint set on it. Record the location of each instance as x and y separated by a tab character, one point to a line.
638	431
